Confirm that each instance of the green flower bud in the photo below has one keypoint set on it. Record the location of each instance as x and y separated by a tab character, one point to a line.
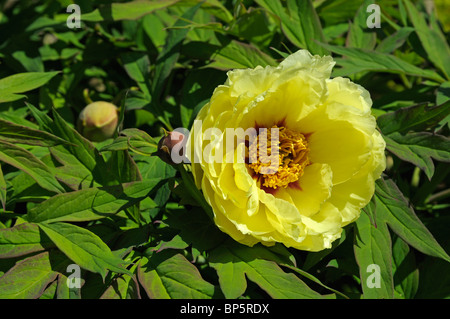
98	121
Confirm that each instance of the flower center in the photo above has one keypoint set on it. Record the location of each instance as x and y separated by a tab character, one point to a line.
278	160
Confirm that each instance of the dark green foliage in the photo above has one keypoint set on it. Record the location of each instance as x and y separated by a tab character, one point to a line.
126	218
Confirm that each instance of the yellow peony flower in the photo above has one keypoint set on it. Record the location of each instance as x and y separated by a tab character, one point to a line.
327	154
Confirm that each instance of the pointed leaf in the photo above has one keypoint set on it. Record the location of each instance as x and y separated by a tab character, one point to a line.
30	164
433	40
71	171
28	278
169	55
305	17
372	247
91	203
84	248
239	55
233	262
123	287
393	208
406	274
83	150
419	149
170	275
359	36
22	82
196	228
365	60
14	133
417	118
21	240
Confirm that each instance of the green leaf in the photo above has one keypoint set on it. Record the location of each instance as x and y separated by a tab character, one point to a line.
63	291
24	188
335	11
137	66
234	262
2	189
71	172
14	133
393	208
394	41
372	247
315	257
416	118
254	26
29	277
91	203
84	248
214	7
30	164
153	167
30	64
22	82
124	167
307	25
196	91
443	93
49	292
314	279
301	25
419	149
83	150
169	275
432	39
125	11
406	274
238	55
359	35
22	239
134	140
196	228
44	121
169	55
123	287
363	60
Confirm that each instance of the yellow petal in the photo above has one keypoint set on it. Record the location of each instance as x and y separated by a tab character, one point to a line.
255	224
339	136
352	195
302	59
246	84
289	102
222	221
327	220
345	92
313	189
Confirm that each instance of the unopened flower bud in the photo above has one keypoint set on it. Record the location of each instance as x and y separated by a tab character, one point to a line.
98	121
171	147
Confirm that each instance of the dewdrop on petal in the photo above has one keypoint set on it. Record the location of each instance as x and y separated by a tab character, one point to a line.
98	121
